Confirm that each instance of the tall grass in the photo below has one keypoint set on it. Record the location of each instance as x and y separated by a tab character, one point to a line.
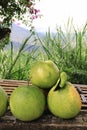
69	51
16	64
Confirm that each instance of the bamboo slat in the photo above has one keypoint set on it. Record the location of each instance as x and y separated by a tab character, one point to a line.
10	85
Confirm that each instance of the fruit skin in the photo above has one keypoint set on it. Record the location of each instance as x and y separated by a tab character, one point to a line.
65	102
27	103
3	102
44	74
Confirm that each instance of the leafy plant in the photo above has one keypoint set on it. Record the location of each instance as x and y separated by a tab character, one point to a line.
69	51
16	64
19	9
11	10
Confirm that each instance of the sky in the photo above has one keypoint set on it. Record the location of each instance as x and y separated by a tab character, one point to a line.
57	12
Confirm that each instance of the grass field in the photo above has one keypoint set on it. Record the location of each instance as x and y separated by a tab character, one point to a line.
68	49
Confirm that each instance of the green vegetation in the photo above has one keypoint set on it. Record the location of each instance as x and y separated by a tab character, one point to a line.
15	64
67	49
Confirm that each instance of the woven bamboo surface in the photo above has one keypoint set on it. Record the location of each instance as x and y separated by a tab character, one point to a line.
47	121
10	85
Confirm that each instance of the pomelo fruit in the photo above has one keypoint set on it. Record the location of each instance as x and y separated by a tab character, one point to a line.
3	102
27	103
64	102
44	74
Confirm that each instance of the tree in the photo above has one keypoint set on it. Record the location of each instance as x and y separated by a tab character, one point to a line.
19	9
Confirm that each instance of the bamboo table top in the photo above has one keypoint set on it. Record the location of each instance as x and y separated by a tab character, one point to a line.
47	121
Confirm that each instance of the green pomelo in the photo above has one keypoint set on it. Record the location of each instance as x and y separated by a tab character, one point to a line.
3	102
64	102
44	74
27	103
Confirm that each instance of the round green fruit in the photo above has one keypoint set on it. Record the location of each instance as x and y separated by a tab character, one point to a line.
44	74
64	102
3	102
27	103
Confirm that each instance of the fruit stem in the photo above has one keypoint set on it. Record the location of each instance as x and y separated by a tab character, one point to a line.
63	79
57	85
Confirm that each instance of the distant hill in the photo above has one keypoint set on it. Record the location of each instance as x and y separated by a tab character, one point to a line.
18	36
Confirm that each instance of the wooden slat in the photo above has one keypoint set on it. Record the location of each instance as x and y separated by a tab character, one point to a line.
10	85
47	120
13	83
